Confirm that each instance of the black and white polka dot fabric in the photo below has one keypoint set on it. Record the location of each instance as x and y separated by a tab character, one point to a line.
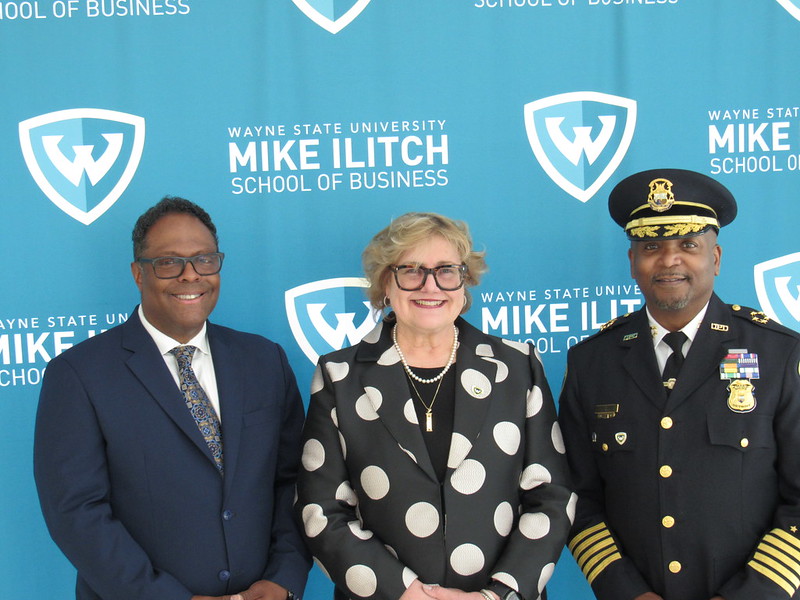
374	513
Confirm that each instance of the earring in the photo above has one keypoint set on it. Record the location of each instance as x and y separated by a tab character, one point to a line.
386	302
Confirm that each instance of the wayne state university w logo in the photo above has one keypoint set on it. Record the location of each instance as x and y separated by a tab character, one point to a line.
332	15
83	158
778	296
580	138
329	315
793	6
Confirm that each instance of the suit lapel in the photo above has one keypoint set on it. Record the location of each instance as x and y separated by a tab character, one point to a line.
147	365
640	358
477	371
386	390
231	379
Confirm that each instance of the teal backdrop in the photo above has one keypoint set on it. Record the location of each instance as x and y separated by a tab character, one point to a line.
304	126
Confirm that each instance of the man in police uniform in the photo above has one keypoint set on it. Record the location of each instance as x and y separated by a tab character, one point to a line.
687	469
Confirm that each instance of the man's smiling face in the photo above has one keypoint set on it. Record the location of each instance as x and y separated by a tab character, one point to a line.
676	276
177	307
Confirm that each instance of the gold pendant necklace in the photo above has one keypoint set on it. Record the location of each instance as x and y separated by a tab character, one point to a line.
428	408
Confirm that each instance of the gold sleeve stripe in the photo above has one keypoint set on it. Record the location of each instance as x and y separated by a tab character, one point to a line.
593	544
590	564
786	537
788	550
587	559
771	574
781	556
602	566
586	533
594	549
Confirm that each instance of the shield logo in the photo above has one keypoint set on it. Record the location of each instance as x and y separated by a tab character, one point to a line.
580	138
83	158
332	15
330	314
792	6
778	296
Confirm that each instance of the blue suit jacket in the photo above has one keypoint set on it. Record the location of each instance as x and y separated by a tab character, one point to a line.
128	486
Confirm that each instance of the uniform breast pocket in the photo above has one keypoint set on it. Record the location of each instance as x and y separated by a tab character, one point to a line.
612	436
745	432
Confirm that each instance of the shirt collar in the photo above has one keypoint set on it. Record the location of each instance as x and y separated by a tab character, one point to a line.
164	343
690	329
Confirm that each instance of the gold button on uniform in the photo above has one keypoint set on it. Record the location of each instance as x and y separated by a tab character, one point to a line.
605	447
665	471
675	567
668	521
666	423
745	442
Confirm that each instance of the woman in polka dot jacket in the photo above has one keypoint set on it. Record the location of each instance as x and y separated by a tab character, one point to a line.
433	465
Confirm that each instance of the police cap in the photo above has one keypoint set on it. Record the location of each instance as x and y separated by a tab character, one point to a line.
664	204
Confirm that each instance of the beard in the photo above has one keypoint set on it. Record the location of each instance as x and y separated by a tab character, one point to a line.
672	304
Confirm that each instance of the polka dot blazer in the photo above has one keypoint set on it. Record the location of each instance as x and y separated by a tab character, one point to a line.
374	513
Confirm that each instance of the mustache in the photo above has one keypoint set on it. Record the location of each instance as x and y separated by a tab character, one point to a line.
670	275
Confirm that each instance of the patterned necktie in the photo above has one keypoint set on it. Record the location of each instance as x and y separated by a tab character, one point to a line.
674	340
198	403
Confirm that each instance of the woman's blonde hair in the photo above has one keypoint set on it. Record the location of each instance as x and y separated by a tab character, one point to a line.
404	233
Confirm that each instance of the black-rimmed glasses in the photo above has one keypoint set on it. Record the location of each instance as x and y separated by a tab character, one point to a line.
171	267
411	278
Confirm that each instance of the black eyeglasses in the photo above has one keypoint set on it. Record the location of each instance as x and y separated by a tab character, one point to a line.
411	278
170	267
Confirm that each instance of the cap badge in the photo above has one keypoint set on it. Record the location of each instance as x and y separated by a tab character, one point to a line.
661	197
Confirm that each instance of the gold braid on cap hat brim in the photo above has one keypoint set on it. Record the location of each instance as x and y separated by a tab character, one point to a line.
663	226
673	225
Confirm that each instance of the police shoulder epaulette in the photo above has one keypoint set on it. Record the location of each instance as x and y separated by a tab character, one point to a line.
608	326
615	322
758	317
750	314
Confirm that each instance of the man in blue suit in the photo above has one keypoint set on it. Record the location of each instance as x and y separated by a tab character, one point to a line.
167	481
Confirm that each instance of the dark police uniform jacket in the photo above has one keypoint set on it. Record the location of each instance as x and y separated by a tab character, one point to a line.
685	496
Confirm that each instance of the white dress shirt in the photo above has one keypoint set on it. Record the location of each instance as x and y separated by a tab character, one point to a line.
202	363
658	331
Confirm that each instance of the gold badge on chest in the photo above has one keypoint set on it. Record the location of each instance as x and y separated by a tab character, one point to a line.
741	398
739	367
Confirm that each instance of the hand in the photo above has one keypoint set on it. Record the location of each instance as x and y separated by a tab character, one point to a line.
649	596
263	590
415	592
260	590
443	593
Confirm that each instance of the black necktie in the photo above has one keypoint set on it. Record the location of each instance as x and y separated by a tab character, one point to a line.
674	340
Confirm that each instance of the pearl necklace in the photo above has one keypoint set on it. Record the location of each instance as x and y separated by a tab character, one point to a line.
411	373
